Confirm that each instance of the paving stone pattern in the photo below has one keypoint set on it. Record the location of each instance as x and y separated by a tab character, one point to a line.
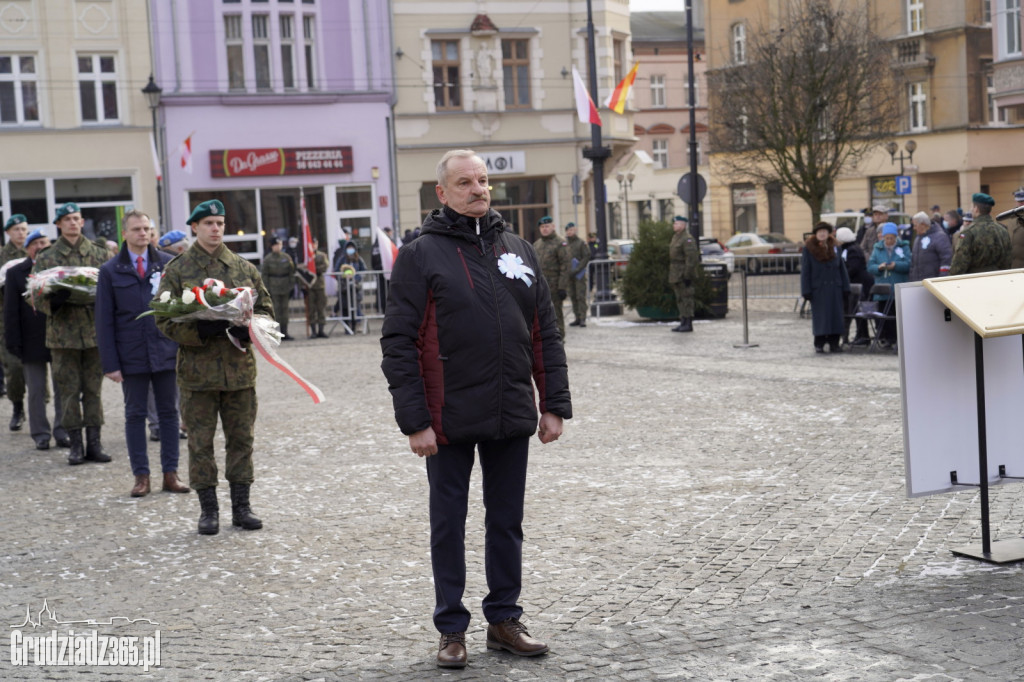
711	513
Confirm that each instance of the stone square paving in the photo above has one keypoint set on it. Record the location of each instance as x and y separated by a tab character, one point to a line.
711	513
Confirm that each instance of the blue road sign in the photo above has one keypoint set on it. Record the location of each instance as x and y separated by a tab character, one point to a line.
902	184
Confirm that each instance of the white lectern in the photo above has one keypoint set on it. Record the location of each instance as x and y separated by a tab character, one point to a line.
957	332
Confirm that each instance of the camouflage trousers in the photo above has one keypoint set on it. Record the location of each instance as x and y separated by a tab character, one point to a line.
578	296
281	310
237	411
559	314
684	298
317	306
14	375
78	376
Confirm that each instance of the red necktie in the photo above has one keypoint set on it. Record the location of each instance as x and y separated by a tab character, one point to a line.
141	270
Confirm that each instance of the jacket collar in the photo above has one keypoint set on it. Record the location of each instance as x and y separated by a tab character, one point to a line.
204	258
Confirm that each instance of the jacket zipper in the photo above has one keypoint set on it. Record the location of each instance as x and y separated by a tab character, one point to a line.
465	267
501	342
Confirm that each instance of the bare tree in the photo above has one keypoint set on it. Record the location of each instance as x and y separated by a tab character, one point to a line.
815	92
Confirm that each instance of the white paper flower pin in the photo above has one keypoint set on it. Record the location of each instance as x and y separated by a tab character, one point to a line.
512	266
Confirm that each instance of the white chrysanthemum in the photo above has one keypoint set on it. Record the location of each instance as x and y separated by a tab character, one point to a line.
188	297
165	297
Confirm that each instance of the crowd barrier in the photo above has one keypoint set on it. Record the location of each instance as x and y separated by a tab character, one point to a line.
352	301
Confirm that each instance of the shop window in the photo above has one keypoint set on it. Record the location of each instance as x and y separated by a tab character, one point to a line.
28	197
91	190
97	88
19	101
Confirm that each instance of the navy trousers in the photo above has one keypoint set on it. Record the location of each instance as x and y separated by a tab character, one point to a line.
503	463
136	402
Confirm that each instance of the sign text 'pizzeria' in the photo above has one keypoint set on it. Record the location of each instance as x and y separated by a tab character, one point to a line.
237	163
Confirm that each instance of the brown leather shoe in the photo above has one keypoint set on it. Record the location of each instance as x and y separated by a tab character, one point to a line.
451	653
141	488
173	485
511	635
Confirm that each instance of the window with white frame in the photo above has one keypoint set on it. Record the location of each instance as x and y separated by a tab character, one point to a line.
689	155
515	66
986	11
445	63
739	44
696	91
309	44
261	50
658	91
235	46
287	31
19	101
97	88
996	116
1010	29
659	151
915	16
918	107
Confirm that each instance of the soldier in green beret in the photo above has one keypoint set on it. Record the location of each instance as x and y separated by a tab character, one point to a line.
71	338
684	259
317	295
553	254
278	272
983	245
16	229
579	254
216	378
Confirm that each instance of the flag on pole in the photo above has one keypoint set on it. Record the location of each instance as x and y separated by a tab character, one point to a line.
186	153
617	101
156	158
307	236
388	252
585	108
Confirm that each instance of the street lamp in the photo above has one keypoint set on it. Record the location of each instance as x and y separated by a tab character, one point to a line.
152	91
892	148
625	182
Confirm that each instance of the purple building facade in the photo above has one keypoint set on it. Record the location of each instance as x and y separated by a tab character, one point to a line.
266	103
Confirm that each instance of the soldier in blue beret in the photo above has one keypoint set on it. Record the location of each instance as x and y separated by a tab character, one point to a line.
983	245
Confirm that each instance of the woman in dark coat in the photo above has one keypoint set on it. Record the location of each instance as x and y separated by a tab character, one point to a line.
857	270
825	283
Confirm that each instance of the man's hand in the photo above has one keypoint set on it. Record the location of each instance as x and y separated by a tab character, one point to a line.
115	376
240	333
550	427
209	328
424	443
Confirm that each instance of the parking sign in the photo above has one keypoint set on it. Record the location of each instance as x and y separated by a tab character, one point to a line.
902	184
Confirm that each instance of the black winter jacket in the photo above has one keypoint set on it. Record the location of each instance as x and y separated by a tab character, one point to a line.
463	344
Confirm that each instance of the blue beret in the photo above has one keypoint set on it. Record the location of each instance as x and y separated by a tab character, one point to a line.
982	199
66	209
890	228
16	219
205	210
545	220
1019	195
32	236
172	237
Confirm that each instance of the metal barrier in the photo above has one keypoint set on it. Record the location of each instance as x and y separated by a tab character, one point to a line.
603	286
769	276
351	301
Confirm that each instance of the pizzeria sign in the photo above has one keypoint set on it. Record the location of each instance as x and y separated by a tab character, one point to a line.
238	163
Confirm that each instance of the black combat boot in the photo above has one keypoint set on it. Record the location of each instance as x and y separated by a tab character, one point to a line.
686	325
77	454
18	417
241	513
320	334
209	519
93	447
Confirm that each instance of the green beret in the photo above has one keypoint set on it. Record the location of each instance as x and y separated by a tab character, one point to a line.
205	210
679	217
568	225
545	220
16	219
982	199
66	209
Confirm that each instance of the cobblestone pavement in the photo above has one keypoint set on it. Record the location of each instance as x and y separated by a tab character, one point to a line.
711	513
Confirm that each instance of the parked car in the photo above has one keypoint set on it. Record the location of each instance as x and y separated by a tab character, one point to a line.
713	251
761	247
619	251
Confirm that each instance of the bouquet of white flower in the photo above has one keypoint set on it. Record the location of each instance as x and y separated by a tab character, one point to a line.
79	280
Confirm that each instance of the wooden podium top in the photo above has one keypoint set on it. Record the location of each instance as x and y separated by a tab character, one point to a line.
991	303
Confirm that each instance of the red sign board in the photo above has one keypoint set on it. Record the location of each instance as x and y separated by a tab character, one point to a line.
239	163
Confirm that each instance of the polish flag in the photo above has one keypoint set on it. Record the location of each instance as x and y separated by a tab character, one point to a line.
186	154
585	108
388	252
307	237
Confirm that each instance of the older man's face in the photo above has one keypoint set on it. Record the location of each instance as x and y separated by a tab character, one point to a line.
465	188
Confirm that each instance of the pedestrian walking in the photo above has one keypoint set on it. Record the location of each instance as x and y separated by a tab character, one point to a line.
984	245
214	377
279	277
579	258
71	338
684	259
25	339
553	252
825	284
16	230
931	253
469	331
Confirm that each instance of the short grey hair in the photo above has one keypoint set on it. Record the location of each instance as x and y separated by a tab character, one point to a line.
135	213
921	217
442	165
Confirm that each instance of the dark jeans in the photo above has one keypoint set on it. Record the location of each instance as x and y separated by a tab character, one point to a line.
503	463
136	399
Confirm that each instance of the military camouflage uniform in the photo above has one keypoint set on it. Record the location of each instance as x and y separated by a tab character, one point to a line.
982	247
279	275
684	259
553	255
71	338
13	373
580	252
318	292
215	378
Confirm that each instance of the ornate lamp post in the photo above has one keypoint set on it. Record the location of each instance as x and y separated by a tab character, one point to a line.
892	148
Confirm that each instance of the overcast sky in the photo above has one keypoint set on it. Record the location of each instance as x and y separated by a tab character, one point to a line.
653	5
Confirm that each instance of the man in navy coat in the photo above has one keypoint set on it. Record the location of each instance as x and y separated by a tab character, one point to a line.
135	354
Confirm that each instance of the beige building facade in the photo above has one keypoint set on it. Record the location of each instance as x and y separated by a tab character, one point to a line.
1006	82
74	124
497	78
944	55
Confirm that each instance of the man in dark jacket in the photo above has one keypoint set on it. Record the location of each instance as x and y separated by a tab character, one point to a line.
25	338
470	328
932	252
136	355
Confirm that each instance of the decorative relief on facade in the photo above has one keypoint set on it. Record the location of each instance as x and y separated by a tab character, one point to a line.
17	19
95	20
